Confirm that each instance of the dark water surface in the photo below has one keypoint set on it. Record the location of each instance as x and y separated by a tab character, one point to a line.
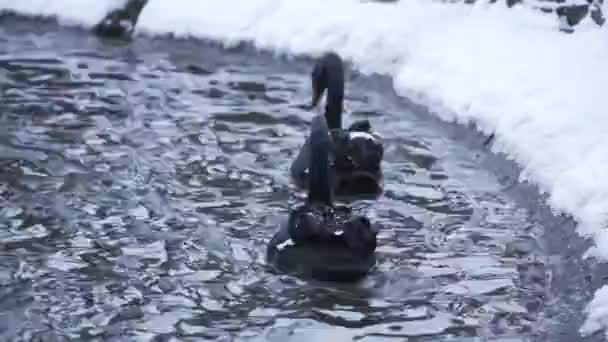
139	184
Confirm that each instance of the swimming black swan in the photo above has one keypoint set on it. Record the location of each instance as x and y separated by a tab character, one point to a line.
321	240
357	153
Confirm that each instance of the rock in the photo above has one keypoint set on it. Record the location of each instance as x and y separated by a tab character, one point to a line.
511	3
572	13
121	22
569	12
596	12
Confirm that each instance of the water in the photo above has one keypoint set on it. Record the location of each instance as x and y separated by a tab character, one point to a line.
140	183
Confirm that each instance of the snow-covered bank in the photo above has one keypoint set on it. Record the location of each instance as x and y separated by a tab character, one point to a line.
508	70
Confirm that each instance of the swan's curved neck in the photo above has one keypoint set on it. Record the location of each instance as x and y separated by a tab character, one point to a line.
328	74
319	187
334	104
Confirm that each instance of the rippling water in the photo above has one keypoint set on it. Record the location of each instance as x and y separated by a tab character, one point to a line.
140	182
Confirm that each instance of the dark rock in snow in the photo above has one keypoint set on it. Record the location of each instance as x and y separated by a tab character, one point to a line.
573	14
596	12
570	14
121	22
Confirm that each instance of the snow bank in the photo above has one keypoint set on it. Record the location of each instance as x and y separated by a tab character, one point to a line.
508	70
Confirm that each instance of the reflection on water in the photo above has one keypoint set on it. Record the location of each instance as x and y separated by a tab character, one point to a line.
139	184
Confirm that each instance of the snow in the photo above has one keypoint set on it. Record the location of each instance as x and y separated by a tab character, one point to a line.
597	312
510	71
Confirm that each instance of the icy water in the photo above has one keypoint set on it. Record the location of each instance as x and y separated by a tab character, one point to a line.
140	183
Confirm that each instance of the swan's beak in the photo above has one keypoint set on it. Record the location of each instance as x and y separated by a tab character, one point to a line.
317	103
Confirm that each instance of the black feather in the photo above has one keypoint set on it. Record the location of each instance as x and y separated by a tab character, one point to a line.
319	187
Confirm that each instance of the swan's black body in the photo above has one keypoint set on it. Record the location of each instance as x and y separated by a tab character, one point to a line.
357	153
320	240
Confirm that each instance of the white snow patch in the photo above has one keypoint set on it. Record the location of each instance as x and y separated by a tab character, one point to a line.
597	313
